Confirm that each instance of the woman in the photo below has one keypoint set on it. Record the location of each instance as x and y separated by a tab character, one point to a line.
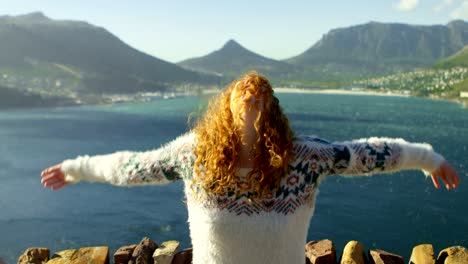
250	183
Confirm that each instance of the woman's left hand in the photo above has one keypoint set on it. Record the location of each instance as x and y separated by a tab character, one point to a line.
448	175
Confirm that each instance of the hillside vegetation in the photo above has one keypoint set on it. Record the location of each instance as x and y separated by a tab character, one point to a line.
77	59
446	79
87	64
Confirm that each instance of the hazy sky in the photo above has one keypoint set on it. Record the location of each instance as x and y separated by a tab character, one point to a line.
174	30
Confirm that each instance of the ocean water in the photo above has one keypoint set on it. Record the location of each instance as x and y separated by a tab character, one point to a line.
389	211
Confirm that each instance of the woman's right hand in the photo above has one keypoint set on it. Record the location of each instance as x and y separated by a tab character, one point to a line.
53	177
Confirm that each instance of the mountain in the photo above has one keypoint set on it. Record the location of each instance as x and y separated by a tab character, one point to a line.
459	59
79	58
379	48
233	59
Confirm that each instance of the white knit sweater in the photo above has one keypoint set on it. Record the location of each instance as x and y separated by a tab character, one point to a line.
236	228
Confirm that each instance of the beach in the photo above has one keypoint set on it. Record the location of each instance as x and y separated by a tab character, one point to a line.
336	91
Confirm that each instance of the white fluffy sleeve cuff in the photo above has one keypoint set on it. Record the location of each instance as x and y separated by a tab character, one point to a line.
421	156
71	169
99	168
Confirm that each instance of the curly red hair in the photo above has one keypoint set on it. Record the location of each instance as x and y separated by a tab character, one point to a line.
219	138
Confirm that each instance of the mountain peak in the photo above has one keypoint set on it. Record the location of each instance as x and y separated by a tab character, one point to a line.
232	44
38	18
36	15
27	19
33	17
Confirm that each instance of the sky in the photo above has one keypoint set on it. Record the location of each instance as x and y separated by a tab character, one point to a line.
174	30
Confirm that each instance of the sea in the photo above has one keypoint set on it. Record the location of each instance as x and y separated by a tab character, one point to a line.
394	212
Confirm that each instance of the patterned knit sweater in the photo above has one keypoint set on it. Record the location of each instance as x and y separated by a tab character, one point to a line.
234	227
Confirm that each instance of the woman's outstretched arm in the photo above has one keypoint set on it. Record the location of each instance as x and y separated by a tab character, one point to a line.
168	163
377	155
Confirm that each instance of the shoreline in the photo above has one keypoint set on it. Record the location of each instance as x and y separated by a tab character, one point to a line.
117	99
463	103
336	91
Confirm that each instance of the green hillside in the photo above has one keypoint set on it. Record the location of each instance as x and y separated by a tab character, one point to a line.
76	59
82	62
460	59
379	48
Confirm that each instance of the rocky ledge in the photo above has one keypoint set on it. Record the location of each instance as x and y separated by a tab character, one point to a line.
317	252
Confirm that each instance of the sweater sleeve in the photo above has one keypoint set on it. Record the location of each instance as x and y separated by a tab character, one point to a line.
373	155
125	168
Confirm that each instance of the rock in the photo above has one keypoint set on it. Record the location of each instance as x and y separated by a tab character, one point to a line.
183	257
143	253
353	253
62	257
91	255
378	256
3	262
95	255
124	254
451	255
423	254
34	256
165	253
320	252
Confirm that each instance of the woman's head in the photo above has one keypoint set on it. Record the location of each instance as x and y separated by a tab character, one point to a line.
246	112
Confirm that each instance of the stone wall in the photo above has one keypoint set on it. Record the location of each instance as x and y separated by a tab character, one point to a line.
317	252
